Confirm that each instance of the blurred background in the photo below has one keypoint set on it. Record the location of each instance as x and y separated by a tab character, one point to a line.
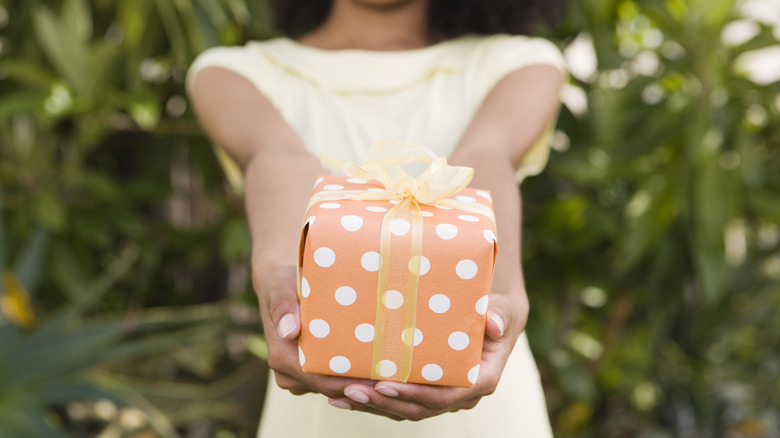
651	242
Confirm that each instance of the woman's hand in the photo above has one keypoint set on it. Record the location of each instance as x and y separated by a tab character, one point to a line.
276	290
506	318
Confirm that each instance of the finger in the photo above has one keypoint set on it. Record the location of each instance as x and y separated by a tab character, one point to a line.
435	398
348	404
291	384
365	396
408	409
299	382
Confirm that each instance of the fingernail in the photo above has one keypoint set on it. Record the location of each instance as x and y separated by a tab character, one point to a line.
341	404
357	396
286	325
386	391
499	322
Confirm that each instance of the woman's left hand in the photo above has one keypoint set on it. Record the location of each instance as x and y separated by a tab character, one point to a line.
506	319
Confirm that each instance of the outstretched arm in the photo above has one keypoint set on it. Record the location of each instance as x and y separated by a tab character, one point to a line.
512	117
278	177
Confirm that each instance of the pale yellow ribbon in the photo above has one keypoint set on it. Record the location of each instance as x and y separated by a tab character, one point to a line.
400	251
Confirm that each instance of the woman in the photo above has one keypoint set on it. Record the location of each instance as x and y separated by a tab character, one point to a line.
367	70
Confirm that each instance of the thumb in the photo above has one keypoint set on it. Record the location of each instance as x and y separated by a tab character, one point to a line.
495	326
282	306
505	314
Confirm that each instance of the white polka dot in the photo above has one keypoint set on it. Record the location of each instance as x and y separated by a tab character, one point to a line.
427	214
485	195
333	187
425	265
473	374
319	180
330	205
370	261
310	220
376	189
458	341
345	295
399	227
432	372
356	181
482	305
463	198
340	364
395	202
489	236
301	357
392	299
364	332
446	231
442	207
351	222
319	328
439	303
376	209
324	257
305	290
468	218
466	269
409	339
386	368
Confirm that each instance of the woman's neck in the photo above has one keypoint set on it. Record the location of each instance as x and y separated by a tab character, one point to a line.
373	25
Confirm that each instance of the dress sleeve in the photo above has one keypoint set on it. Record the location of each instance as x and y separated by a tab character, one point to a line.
249	63
510	53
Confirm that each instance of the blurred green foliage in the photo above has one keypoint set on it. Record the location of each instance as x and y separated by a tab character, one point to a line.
100	158
652	241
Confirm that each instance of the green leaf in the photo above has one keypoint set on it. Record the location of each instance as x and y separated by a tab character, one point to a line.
133	17
17	102
68	271
64	49
27	420
765	203
715	204
718	13
3	242
77	16
145	110
50	210
29	267
27	72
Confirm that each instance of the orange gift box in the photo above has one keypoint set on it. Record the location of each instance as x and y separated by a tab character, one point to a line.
394	296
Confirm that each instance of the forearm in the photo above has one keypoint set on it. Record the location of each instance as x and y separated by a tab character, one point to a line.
497	175
277	189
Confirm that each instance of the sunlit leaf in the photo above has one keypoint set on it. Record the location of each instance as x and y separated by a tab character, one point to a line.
15	301
64	49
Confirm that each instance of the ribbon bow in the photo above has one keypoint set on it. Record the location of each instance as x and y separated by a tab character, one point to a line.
401	238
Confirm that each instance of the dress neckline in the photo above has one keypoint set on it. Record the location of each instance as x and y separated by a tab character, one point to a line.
359	71
429	48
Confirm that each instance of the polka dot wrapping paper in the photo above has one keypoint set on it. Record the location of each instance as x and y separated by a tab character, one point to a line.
339	296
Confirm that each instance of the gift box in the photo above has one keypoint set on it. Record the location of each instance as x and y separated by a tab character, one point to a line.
394	272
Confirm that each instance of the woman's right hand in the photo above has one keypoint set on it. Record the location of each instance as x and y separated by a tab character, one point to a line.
277	293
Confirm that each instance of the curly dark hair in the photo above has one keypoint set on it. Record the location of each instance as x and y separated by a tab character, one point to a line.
447	18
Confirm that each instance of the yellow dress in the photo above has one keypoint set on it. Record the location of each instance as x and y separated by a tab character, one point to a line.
338	102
